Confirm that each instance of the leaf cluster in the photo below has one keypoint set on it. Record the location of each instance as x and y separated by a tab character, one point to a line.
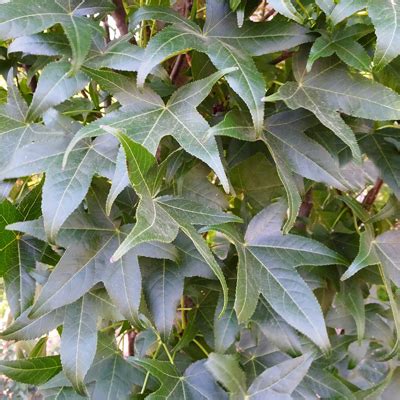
201	199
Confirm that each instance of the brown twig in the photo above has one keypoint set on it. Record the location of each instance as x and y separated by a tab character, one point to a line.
33	82
131	343
370	198
120	17
284	56
183	8
304	211
176	69
107	30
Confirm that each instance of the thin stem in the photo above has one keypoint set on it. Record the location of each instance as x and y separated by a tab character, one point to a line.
300	4
183	313
200	346
338	218
171	360
146	378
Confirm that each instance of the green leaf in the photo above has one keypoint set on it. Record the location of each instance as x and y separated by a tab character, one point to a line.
21	18
34	371
326	5
147	122
63	190
113	376
386	247
9	214
164	281
195	383
328	89
385	17
227	46
78	341
226	370
226	327
266	266
384	155
303	155
88	255
344	44
324	384
352	297
43	44
55	85
286	8
276	329
346	8
280	380
18	255
15	132
24	328
366	255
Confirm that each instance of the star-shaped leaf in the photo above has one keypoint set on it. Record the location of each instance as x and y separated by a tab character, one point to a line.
196	383
15	131
225	44
19	253
90	240
267	261
22	18
344	43
64	189
147	120
160	218
277	382
329	89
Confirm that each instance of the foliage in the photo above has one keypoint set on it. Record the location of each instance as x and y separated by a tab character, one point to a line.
218	188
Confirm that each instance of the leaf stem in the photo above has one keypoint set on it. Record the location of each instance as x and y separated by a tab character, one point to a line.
146	378
171	360
183	312
300	4
201	347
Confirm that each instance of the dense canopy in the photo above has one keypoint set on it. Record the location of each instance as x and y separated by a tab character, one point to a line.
200	199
